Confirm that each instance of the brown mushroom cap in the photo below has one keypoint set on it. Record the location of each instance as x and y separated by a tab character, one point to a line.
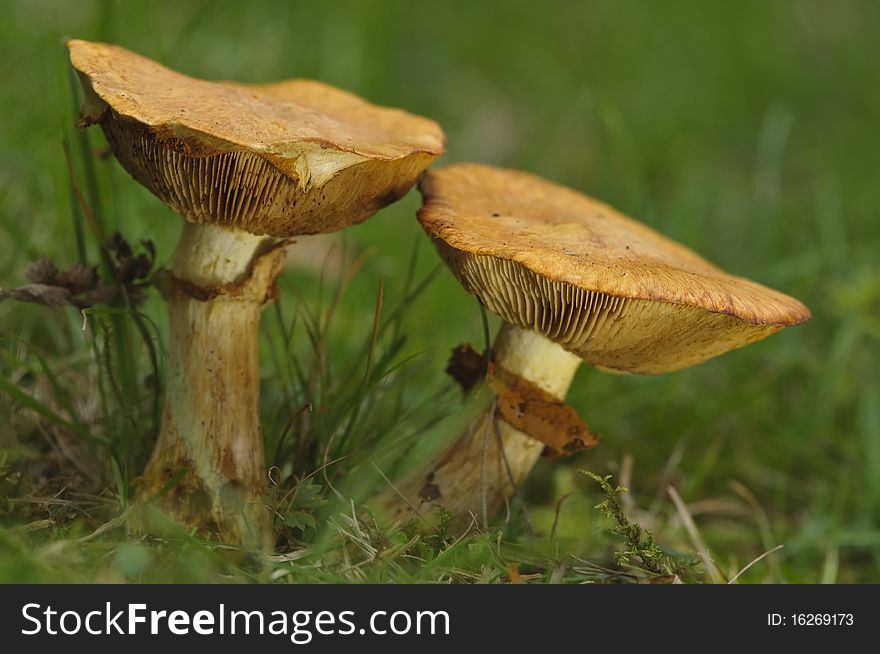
602	285
295	157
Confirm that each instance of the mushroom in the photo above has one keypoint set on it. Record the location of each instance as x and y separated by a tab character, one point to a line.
248	166
574	280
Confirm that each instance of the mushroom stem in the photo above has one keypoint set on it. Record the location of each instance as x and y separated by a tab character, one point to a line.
220	281
487	463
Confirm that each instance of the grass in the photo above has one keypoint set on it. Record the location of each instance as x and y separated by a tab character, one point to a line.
747	131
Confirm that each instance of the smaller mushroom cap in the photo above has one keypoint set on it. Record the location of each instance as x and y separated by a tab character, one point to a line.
602	285
294	157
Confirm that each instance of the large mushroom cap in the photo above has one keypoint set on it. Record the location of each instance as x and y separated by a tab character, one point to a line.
602	285
295	157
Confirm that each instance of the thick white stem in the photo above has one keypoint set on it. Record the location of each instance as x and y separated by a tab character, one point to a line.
480	470
210	421
208	255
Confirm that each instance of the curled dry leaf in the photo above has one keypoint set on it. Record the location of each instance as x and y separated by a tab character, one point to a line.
466	366
539	414
42	271
523	404
78	278
81	286
51	296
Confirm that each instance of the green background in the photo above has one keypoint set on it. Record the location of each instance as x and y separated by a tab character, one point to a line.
749	131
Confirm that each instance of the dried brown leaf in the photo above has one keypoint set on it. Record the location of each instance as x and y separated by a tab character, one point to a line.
51	296
41	271
78	278
539	414
466	366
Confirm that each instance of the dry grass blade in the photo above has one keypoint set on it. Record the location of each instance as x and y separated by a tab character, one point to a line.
693	532
110	525
484	480
760	516
36	525
753	562
556	514
397	492
288	557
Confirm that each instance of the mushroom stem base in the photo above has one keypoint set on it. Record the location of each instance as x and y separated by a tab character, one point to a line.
207	471
476	475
